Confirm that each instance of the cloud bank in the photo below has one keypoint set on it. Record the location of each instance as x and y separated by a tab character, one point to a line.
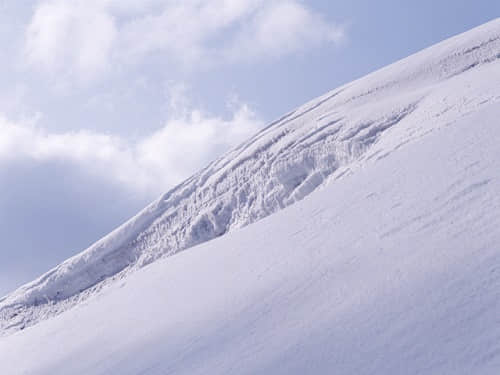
148	165
82	39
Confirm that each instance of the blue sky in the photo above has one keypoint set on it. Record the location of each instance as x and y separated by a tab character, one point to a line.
106	104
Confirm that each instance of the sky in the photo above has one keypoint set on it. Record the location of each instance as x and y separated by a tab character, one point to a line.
106	104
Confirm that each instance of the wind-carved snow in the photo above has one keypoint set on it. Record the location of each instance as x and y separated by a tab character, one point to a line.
326	139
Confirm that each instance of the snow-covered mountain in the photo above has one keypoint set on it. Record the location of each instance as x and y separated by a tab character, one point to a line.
390	264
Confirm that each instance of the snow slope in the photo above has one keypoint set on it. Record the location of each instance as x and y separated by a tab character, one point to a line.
394	269
400	242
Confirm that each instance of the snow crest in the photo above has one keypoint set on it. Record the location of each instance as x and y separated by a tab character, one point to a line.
321	141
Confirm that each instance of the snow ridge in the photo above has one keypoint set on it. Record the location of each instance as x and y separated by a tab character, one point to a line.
321	141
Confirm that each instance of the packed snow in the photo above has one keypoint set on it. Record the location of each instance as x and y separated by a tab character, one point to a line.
387	262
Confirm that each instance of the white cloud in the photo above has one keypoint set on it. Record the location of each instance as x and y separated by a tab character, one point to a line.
83	38
281	28
74	37
147	166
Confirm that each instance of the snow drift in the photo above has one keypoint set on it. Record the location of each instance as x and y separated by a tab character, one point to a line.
408	162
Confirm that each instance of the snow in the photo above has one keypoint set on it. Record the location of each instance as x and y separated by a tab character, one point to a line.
387	262
393	269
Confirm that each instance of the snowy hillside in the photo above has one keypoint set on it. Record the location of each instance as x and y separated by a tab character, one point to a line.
394	269
397	252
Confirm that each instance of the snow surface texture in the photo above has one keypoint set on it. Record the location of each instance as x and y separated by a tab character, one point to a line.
332	140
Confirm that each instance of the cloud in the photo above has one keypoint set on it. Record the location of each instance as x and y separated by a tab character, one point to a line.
147	166
81	39
71	36
281	28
